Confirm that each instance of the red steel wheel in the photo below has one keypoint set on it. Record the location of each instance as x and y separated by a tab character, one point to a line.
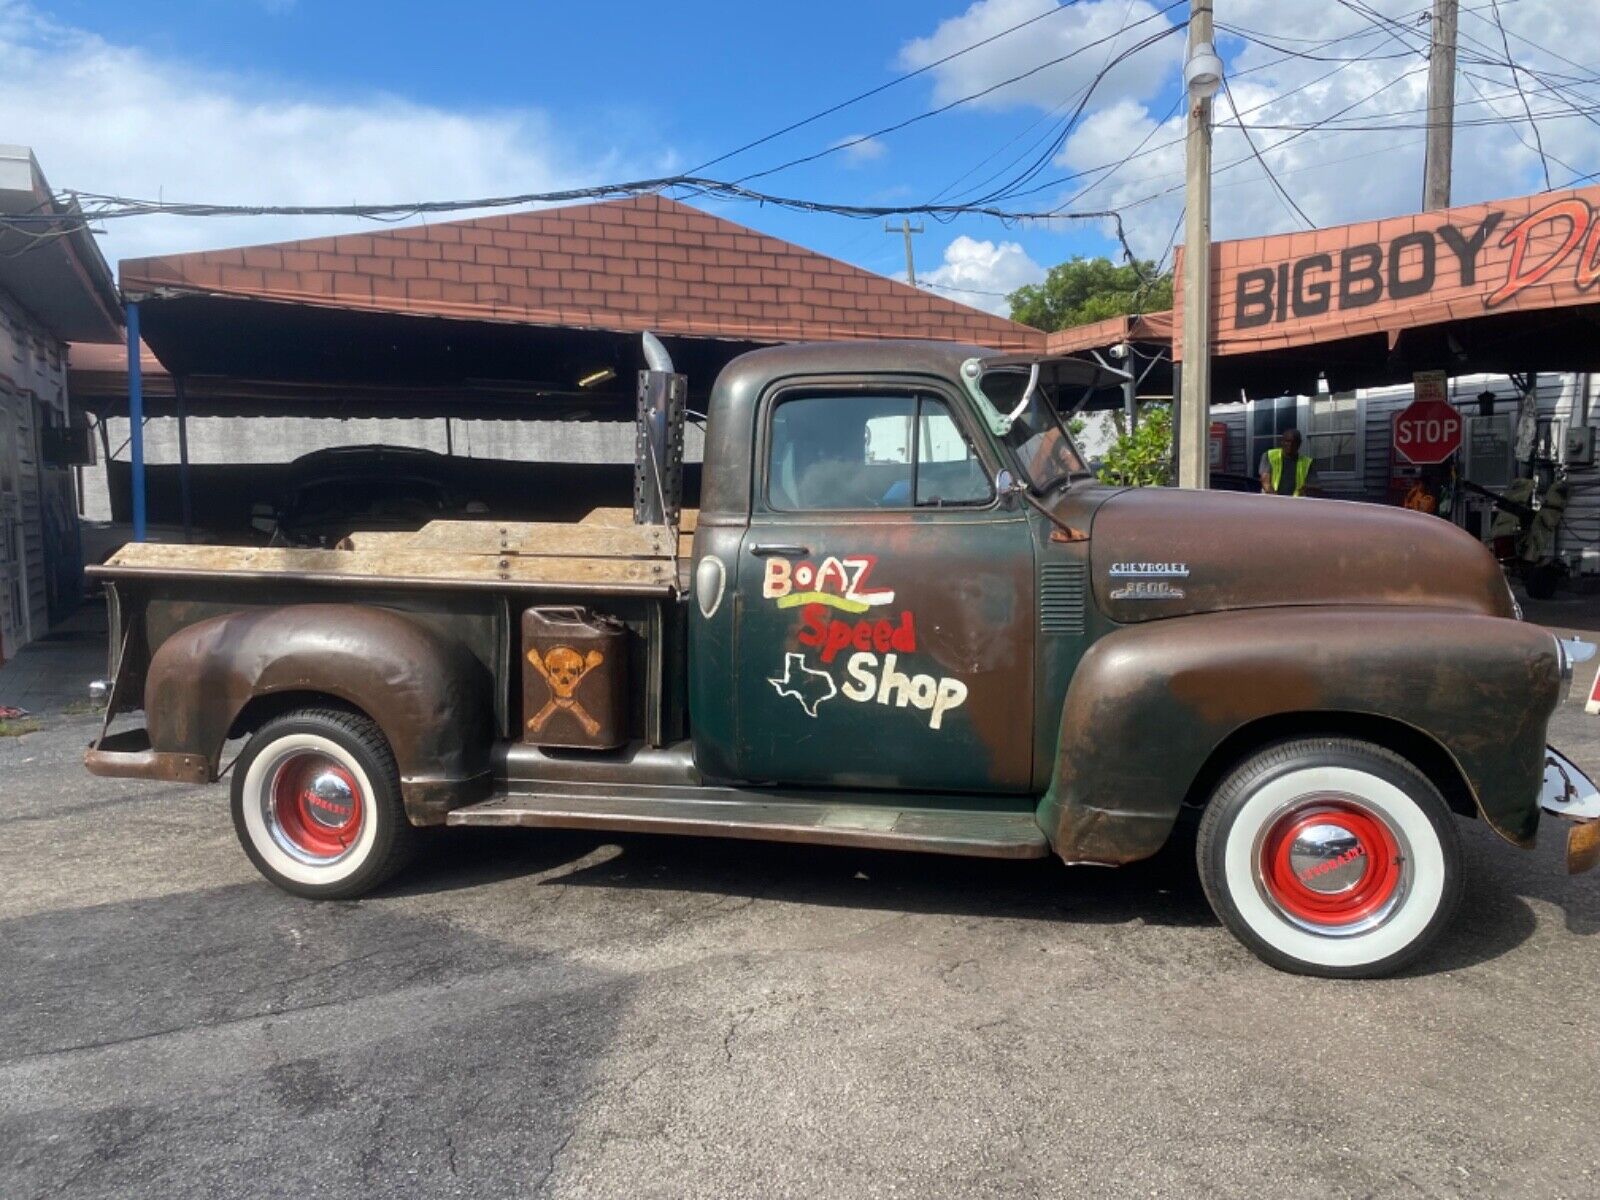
317	807
1332	865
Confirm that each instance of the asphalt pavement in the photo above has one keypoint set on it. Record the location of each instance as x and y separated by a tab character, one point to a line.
531	1013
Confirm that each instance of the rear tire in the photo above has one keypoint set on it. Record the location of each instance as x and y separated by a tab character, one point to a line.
1330	856
317	805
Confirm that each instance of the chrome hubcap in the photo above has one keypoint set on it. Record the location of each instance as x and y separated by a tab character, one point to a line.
1328	859
330	801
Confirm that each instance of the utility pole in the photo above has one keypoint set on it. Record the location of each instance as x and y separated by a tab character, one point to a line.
1441	106
907	228
1202	75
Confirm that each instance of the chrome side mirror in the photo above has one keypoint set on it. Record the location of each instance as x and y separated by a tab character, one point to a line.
1006	486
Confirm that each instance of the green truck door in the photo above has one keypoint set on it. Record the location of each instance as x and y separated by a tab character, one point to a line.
885	601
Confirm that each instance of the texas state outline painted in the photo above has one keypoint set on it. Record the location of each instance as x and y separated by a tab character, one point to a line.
819	684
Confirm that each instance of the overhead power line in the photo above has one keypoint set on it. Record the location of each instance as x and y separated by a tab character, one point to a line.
1057	128
96	206
1373	125
1471	81
1354	104
1271	178
1140	150
956	287
1044	156
883	87
1589	74
837	147
1516	78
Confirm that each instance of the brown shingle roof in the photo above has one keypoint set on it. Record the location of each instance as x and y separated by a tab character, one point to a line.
1097	335
644	263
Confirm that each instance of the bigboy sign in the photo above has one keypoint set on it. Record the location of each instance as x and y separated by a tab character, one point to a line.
1537	251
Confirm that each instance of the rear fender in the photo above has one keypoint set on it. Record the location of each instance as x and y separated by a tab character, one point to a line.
1149	704
431	697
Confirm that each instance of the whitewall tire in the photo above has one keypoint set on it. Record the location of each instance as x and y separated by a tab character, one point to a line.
317	806
1330	856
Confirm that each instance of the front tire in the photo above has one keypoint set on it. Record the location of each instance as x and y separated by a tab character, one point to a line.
317	806
1330	856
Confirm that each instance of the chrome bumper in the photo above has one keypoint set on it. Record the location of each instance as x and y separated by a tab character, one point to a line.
1571	794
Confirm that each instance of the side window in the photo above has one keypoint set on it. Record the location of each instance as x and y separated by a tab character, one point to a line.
948	472
852	451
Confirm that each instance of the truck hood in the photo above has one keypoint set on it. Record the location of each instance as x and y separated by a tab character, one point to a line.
1167	552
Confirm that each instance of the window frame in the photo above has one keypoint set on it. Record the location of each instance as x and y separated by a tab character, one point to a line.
1358	431
915	388
1304	407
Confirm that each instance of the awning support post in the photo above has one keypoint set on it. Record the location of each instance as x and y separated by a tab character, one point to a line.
136	421
183	458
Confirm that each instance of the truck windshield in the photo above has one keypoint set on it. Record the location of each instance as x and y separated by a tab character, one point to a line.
1043	448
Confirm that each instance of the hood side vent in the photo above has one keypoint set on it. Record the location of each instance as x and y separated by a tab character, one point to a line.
1061	597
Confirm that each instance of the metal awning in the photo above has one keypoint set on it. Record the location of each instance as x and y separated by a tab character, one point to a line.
53	265
257	358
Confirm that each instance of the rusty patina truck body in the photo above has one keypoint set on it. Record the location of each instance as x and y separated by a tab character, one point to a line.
907	618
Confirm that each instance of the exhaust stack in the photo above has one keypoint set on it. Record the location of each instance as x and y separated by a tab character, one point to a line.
658	443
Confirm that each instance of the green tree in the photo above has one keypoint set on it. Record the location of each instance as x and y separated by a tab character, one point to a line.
1142	458
1090	289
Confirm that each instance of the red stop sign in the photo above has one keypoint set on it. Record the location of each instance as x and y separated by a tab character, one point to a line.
1427	431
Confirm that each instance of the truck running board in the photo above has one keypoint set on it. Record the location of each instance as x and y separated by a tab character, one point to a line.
737	814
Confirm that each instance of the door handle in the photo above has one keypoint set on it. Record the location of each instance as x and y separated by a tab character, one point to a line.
788	550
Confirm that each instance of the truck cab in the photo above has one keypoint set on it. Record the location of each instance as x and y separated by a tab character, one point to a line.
875	572
907	617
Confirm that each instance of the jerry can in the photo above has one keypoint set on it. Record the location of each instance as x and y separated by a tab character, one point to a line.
574	679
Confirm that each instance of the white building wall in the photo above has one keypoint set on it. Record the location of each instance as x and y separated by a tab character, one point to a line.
33	391
225	440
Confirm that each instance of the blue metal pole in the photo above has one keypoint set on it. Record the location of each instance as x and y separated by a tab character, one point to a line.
136	422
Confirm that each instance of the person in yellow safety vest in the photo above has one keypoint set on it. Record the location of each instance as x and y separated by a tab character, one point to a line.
1285	471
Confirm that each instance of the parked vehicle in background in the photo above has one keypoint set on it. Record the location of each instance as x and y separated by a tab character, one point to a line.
909	619
374	488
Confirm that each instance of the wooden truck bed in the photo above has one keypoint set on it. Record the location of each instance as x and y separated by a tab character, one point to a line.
605	553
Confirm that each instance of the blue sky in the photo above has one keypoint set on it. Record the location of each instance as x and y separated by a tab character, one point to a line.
319	101
664	86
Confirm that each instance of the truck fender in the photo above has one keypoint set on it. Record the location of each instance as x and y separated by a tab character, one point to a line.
431	697
1150	704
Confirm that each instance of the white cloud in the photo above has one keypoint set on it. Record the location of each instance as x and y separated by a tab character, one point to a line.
856	149
1072	29
1336	176
982	274
110	118
1339	176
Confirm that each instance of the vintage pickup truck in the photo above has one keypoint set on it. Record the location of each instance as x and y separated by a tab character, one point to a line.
907	618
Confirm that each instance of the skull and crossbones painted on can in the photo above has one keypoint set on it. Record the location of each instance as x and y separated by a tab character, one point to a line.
563	669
